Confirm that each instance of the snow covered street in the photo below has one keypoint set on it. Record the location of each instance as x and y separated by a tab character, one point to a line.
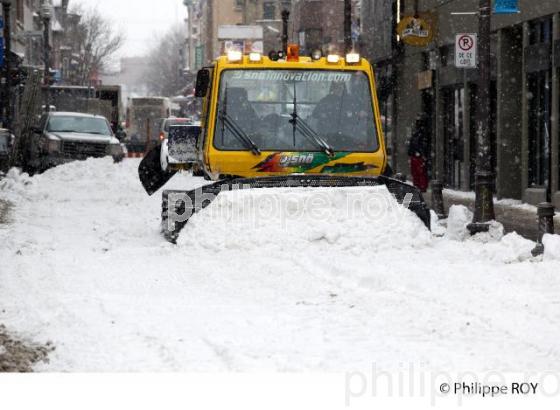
83	265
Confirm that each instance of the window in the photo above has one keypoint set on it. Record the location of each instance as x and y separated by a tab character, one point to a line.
539	80
336	107
269	10
239	4
540	31
454	102
540	103
19	11
86	125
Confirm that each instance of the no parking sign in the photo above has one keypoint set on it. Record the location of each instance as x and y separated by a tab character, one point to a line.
466	50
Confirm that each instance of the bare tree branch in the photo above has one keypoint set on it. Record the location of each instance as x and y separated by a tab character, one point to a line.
98	41
165	64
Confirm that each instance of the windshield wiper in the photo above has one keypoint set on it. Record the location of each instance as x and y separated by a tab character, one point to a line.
305	129
235	129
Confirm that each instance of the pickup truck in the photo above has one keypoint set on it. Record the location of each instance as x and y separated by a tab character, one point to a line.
62	137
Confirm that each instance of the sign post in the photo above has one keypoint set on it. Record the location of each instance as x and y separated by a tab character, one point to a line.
466	50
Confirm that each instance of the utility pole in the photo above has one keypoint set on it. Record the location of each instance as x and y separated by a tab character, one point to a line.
484	204
6	9
348	26
46	15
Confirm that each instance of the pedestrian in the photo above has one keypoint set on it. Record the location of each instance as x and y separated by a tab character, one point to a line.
418	151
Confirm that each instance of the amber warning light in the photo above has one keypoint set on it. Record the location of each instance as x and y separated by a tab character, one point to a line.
293	53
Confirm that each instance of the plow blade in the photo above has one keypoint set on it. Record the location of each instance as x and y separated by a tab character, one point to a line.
150	172
179	206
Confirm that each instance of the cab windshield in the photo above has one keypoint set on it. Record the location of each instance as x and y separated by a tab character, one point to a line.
294	110
77	124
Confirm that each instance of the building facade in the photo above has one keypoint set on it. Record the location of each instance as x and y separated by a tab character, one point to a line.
319	24
424	81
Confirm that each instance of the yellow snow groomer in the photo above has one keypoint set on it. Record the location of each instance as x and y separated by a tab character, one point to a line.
275	121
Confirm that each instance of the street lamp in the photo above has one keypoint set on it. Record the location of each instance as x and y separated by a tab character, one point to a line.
286	7
348	46
46	15
6	8
484	203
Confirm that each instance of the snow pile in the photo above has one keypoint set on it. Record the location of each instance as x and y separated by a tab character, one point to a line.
281	280
343	219
14	185
551	247
457	227
457	221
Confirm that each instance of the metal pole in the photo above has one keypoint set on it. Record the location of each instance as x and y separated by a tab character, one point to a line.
6	9
437	199
348	26
285	19
484	203
46	56
545	212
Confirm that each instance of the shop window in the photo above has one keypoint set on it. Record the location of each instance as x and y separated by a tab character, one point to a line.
540	31
540	102
454	103
539	81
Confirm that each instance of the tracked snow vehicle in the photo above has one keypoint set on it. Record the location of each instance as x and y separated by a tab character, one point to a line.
279	121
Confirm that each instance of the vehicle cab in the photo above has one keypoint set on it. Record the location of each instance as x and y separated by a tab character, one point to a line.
266	116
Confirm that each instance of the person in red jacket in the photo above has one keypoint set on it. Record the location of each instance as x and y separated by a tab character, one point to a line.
418	153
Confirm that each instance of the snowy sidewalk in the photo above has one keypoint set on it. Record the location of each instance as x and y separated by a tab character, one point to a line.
514	215
85	267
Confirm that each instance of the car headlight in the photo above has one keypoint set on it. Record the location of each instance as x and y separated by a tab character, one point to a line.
114	149
53	146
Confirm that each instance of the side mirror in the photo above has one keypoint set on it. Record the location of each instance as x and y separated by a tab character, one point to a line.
202	83
37	130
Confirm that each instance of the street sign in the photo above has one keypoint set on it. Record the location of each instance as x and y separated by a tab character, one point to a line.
506	7
199	57
466	50
415	31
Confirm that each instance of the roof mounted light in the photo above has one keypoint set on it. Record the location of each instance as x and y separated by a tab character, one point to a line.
316	55
333	59
234	56
352	58
293	53
255	57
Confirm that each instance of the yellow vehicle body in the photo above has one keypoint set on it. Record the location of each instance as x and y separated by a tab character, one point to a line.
218	163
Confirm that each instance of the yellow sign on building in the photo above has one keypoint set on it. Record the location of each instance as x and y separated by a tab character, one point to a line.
415	31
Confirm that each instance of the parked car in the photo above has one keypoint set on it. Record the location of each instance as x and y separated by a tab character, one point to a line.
68	136
6	141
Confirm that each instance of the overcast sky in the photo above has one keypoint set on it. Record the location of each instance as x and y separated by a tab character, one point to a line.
141	20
